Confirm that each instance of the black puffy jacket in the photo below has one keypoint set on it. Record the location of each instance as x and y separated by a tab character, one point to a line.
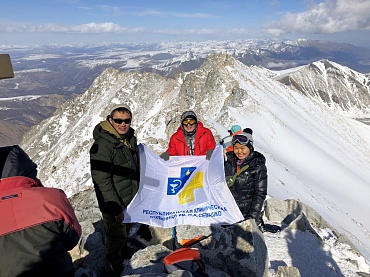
250	186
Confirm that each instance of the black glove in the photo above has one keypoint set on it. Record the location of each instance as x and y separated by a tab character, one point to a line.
165	156
144	232
209	154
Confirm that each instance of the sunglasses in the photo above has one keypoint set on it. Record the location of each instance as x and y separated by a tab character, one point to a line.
120	120
189	121
243	140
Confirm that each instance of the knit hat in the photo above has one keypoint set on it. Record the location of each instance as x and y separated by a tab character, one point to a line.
188	114
118	106
249	133
235	129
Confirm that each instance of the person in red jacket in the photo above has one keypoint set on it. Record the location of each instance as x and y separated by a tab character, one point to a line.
191	138
38	225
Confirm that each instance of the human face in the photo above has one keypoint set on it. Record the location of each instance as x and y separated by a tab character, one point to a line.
241	151
189	124
123	127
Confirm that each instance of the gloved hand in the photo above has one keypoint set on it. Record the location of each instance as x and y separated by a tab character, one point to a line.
209	154
165	156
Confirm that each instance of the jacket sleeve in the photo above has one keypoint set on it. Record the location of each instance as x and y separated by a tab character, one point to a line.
71	227
211	142
101	159
172	146
260	192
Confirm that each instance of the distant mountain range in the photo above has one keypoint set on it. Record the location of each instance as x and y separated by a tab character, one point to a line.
60	72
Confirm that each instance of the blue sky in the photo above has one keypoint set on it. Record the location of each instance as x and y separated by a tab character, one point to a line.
28	22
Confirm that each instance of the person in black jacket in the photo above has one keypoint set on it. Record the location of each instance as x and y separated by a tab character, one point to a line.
115	171
246	176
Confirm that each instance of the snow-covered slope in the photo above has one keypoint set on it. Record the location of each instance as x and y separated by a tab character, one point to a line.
313	154
340	88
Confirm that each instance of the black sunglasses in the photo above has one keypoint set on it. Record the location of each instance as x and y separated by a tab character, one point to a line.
120	120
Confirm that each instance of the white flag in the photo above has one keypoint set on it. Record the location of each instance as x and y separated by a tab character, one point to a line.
185	190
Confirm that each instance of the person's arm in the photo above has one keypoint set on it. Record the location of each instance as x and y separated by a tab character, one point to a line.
211	142
260	192
71	228
101	158
172	147
229	171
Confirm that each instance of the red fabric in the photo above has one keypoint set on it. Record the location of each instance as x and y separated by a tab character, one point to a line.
182	254
25	203
203	142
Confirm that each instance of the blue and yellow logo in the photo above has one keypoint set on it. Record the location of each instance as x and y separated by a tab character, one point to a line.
175	185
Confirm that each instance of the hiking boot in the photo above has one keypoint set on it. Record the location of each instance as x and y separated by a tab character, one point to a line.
127	252
144	232
115	270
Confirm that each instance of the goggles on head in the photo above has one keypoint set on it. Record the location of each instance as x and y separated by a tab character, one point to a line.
190	121
242	139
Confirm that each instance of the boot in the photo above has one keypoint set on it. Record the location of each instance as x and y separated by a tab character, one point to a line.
115	270
144	232
127	252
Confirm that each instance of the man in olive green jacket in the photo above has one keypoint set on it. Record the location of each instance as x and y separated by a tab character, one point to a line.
115	170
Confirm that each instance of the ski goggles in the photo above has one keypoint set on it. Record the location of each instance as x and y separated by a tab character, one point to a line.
240	138
120	120
190	121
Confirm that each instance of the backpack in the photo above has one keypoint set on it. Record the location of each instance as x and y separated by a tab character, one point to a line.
186	259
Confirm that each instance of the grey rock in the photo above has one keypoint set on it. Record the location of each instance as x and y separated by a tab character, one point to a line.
288	271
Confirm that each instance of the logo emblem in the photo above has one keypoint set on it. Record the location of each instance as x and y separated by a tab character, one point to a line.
175	185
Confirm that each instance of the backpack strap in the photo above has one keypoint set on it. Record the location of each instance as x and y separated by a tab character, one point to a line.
231	179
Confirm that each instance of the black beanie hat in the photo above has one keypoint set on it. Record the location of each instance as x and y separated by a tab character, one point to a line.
15	162
188	114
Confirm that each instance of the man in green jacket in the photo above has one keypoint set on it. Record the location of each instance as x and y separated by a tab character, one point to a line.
115	171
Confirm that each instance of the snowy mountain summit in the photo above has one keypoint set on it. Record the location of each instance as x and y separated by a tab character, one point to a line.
340	88
314	154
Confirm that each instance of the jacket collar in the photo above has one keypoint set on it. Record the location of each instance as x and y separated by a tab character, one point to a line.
18	182
109	128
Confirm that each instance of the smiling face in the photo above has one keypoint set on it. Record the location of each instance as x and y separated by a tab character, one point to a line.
241	151
189	124
123	122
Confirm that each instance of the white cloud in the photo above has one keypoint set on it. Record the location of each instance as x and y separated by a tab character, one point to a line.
110	27
330	16
186	32
105	27
239	31
160	13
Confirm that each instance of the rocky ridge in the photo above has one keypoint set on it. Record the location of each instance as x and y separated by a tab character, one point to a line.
238	250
